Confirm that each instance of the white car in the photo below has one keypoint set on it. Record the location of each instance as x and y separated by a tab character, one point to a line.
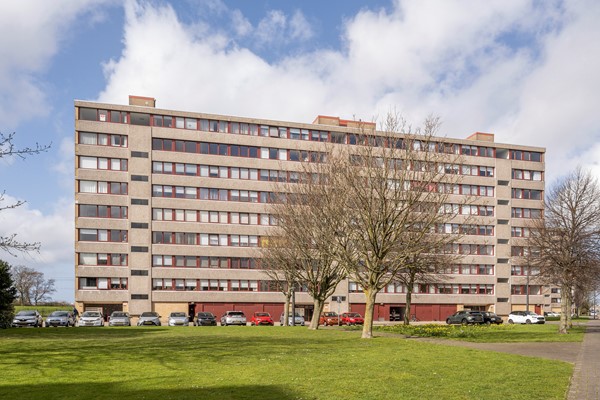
233	318
525	317
178	319
297	320
91	318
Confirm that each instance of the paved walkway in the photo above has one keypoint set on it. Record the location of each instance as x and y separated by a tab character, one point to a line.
585	383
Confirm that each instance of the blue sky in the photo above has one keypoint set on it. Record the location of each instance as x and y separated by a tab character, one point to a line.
526	71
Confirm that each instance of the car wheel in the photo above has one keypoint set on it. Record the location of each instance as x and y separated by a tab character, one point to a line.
528	321
488	322
510	321
464	321
448	321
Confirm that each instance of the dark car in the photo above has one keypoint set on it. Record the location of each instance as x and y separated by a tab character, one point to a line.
491	318
465	317
28	318
60	318
205	319
351	318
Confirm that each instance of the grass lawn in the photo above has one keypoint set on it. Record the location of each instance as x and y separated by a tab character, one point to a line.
259	363
490	334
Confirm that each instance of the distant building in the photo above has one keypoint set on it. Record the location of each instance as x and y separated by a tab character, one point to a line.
172	208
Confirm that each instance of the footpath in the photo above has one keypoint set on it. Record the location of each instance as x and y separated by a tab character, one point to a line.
585	382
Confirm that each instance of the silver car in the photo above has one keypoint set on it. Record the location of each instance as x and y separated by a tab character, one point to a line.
91	318
149	318
178	319
119	318
297	320
233	318
60	318
27	318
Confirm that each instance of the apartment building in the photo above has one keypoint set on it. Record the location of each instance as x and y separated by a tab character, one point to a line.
172	208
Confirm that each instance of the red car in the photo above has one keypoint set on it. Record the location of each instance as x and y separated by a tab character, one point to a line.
261	318
328	318
351	318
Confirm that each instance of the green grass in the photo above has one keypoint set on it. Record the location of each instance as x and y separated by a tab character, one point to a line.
489	334
259	363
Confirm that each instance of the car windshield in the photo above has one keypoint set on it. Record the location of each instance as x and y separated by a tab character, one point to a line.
59	314
149	314
262	314
26	313
354	315
177	314
118	315
236	314
205	315
91	314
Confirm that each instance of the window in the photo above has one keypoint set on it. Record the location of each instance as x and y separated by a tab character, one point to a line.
527	194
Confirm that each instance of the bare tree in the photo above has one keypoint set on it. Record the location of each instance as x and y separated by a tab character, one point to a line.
306	230
568	238
8	242
385	179
279	263
31	286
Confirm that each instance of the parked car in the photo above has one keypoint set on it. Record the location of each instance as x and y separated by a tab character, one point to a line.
119	318
178	319
525	317
297	319
233	318
60	318
329	318
91	318
28	318
261	318
149	318
465	317
551	314
205	319
351	318
491	318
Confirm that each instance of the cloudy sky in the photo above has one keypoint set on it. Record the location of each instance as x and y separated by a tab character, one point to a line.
527	71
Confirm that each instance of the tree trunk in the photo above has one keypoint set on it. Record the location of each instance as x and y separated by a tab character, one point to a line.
314	322
286	309
564	310
408	303
370	296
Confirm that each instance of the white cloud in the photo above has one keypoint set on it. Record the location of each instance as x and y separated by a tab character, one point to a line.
55	233
30	34
524	70
300	27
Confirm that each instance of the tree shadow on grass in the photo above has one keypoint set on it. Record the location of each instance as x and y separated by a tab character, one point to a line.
113	391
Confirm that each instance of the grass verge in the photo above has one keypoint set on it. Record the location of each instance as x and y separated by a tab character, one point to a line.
489	334
259	362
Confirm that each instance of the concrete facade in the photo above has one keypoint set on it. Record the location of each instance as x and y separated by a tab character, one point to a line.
181	213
